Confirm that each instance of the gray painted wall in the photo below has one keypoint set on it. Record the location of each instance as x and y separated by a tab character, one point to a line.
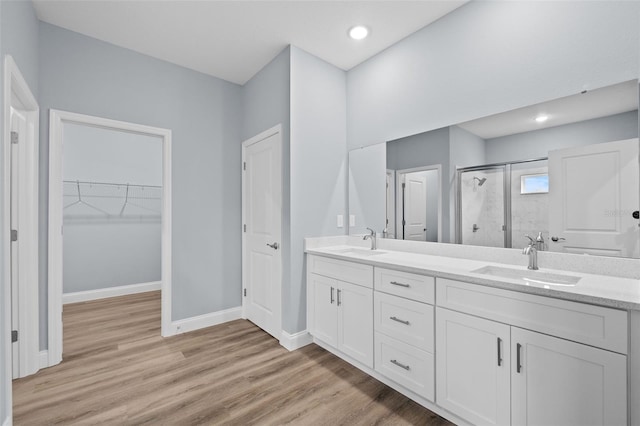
318	167
123	248
446	73
367	188
18	38
425	149
537	143
84	75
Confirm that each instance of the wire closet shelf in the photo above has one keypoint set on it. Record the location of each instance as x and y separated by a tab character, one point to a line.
105	200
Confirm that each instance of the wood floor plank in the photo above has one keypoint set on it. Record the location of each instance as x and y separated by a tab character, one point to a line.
117	370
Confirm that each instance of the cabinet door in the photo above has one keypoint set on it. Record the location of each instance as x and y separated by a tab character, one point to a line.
472	368
325	316
555	381
355	322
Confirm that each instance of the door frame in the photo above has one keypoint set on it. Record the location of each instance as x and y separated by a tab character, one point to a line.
18	94
398	177
275	130
391	221
56	122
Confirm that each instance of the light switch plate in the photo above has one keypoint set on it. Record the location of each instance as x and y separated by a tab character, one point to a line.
340	221
352	220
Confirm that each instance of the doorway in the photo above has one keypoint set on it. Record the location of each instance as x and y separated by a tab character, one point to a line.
20	225
109	205
262	230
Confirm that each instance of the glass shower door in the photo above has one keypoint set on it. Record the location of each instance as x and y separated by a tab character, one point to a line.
482	219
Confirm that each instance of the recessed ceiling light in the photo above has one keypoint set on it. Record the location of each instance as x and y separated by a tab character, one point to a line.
542	118
358	32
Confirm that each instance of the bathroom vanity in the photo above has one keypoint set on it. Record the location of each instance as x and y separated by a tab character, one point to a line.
476	341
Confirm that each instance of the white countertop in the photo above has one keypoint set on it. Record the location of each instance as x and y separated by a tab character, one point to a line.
616	292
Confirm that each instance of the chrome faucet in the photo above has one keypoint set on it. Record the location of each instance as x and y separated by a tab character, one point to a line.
372	237
532	251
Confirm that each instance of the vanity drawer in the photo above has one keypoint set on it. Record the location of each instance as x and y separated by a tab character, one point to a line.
404	284
408	321
408	366
351	272
593	325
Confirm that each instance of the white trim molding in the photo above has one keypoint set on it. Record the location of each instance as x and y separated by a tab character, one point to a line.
206	320
18	95
44	359
294	341
104	293
56	124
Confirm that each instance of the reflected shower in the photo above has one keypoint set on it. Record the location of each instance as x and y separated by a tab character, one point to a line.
480	181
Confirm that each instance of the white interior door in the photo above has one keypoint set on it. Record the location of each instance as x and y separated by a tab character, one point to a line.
390	212
262	259
593	192
415	206
18	130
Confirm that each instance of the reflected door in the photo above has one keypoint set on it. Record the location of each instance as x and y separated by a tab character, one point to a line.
593	192
414	188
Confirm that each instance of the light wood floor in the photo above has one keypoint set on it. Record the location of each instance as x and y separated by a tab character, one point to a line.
117	370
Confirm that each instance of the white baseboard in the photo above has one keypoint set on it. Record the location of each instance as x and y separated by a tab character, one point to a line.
103	293
43	359
206	320
295	341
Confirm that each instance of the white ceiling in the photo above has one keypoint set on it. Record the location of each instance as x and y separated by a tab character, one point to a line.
597	103
233	40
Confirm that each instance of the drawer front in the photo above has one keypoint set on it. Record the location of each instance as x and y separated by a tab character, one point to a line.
593	325
408	321
351	272
404	284
406	365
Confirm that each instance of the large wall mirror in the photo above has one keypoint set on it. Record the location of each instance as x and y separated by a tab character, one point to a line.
566	168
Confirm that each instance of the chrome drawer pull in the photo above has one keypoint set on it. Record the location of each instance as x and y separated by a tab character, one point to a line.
406	367
400	284
399	320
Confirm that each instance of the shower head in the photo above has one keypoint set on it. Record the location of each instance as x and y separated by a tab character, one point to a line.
480	181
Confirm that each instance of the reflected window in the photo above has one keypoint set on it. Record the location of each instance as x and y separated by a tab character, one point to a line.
534	184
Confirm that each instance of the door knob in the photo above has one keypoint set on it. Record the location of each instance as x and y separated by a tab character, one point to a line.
273	246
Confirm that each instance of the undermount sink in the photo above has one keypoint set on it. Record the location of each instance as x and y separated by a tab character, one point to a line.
529	276
360	252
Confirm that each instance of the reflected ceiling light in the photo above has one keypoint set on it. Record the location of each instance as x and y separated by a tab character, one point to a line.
542	118
358	32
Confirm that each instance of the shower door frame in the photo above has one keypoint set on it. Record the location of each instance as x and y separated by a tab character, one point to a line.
506	189
506	194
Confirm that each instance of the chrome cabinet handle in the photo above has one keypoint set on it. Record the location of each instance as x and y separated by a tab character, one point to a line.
499	352
332	295
400	284
399	320
339	301
556	239
518	361
274	246
406	367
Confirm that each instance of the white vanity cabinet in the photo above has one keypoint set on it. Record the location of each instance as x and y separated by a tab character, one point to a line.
491	369
340	313
404	329
555	381
473	367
